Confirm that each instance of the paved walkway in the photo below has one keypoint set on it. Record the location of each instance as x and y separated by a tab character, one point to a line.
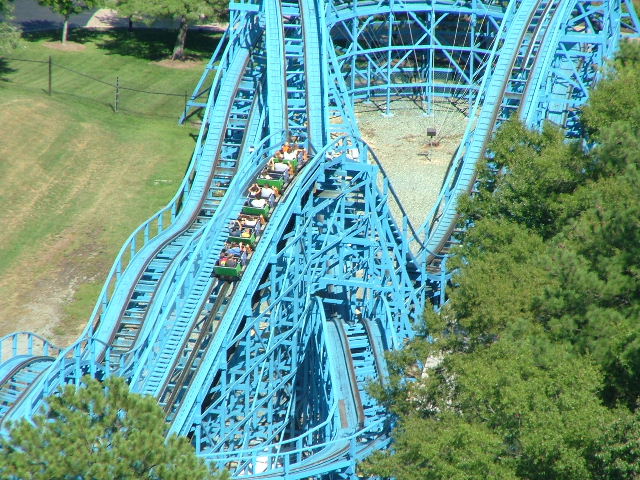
32	17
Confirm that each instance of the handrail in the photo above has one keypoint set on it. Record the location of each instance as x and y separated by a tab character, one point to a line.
54	376
345	347
450	187
454	165
156	221
346	444
532	91
22	343
188	260
302	184
377	355
276	458
14	371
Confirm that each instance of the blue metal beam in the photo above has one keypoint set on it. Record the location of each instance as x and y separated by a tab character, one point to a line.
268	373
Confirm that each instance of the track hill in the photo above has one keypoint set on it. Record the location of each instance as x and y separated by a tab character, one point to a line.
75	180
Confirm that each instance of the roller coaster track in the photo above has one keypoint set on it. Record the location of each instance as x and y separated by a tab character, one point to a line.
503	96
19	377
268	374
225	140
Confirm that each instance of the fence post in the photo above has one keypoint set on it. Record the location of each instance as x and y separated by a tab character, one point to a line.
115	103
50	71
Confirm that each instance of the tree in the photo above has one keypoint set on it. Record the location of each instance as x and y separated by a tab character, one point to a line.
98	432
185	11
66	8
501	266
617	456
595	301
521	407
528	178
618	98
537	352
9	33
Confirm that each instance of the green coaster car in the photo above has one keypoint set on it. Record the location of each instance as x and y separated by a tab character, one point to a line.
251	241
250	210
271	182
232	273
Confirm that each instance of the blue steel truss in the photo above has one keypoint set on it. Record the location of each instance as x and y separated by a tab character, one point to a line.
267	374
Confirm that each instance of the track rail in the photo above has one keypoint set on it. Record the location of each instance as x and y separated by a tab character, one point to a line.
194	349
227	151
19	379
460	179
230	362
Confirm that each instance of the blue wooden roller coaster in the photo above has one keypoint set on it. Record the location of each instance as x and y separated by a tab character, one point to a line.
260	301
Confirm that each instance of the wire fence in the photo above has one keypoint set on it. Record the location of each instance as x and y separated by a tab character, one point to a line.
116	94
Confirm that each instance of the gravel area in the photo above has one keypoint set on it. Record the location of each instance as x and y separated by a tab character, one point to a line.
415	166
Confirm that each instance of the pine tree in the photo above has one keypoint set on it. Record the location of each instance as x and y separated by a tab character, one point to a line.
98	432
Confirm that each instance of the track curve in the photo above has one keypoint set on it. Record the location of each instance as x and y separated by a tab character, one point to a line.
267	373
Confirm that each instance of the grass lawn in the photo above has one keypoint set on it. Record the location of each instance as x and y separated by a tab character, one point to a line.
135	59
77	178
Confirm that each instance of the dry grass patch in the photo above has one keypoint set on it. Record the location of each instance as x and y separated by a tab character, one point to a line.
180	64
65	47
74	182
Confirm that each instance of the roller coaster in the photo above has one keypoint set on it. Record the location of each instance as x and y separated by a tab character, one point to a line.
266	371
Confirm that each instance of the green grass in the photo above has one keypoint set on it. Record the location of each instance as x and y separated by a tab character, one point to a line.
129	57
77	178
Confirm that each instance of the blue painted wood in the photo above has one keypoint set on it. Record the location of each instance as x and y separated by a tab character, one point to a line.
268	374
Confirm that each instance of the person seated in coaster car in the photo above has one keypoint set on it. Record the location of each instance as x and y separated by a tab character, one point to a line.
252	222
271	194
234	249
282	168
245	254
236	229
257	202
254	191
290	155
224	258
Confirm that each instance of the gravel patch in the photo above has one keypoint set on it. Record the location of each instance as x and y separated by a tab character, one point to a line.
415	165
66	47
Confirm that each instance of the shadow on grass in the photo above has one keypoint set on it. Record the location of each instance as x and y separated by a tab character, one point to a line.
145	43
5	69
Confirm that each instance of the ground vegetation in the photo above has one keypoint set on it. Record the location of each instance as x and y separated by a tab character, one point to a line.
184	12
76	178
99	431
533	371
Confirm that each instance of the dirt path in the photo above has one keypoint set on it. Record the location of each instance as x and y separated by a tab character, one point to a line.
415	167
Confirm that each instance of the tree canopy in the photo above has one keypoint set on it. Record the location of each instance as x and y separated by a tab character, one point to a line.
9	33
66	8
537	352
184	11
99	432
